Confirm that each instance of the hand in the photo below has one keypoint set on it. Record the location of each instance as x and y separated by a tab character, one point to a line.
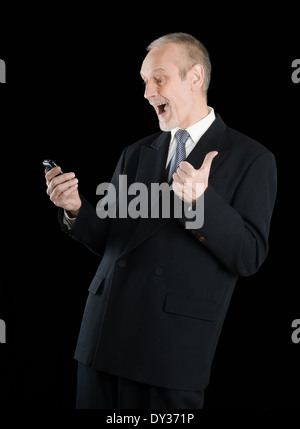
186	178
63	191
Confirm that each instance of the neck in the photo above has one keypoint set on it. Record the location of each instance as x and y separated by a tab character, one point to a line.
201	111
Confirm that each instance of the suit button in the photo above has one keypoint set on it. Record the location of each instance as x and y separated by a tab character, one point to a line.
158	271
201	238
121	263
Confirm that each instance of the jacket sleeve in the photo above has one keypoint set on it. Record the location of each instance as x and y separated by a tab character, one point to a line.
237	233
88	228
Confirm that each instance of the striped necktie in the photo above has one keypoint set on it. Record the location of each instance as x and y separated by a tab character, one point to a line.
180	154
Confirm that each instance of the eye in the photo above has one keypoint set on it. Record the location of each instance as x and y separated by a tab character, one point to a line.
159	80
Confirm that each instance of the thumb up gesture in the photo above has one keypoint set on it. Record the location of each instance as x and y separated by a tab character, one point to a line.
187	177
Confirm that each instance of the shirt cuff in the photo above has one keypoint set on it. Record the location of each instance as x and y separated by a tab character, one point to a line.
68	220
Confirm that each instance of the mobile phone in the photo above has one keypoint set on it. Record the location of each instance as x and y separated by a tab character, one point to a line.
49	164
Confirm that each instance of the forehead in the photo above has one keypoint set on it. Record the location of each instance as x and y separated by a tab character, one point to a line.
165	58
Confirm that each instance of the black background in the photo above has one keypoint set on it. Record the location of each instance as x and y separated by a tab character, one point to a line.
74	94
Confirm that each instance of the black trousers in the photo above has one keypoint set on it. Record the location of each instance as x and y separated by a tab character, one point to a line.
99	390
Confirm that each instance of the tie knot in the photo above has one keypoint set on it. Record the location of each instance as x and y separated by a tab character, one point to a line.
182	136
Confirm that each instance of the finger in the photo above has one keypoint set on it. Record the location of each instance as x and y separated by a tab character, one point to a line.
208	160
177	188
70	190
60	189
176	177
186	167
186	172
63	197
52	173
57	180
181	175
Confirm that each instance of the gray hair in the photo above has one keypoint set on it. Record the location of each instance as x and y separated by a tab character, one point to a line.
195	50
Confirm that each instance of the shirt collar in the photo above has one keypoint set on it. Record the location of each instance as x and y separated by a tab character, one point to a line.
197	130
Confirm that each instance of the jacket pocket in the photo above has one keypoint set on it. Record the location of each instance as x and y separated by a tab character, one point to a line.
191	306
96	286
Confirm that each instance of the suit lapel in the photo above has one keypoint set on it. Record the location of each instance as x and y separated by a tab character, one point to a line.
152	160
212	139
152	170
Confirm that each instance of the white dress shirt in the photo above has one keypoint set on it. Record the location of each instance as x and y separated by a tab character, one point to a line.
195	131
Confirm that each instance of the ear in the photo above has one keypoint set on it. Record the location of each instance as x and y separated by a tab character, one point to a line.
197	77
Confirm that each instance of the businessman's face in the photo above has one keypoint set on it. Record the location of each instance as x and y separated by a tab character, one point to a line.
171	96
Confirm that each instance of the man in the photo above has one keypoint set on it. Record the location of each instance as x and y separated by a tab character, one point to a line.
160	295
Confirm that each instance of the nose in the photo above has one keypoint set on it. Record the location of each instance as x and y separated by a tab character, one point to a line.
150	90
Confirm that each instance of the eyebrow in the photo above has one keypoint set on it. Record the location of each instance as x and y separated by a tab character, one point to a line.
157	69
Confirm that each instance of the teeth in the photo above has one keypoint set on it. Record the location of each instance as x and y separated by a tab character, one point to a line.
158	104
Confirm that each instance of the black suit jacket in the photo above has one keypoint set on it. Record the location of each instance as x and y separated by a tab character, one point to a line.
158	300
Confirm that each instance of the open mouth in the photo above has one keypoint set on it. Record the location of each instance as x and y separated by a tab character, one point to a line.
161	108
